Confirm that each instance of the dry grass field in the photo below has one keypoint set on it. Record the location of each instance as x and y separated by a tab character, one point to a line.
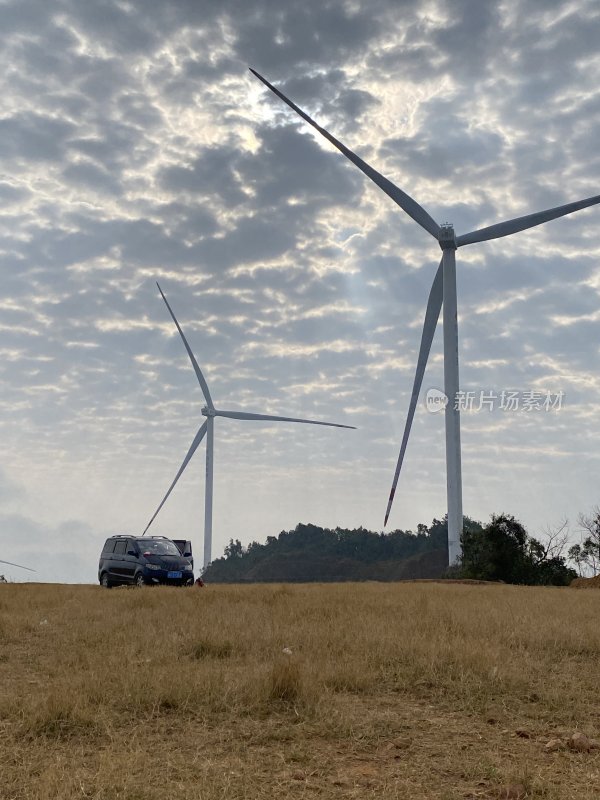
305	691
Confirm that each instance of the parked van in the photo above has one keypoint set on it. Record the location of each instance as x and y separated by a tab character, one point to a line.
142	560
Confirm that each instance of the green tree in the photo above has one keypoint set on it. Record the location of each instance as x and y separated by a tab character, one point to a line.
234	549
504	551
587	554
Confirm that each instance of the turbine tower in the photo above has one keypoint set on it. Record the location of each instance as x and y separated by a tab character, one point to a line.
443	293
207	429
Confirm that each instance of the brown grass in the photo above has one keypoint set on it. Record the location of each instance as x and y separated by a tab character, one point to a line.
330	691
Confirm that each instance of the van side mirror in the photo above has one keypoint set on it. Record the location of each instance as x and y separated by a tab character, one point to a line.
131	553
187	555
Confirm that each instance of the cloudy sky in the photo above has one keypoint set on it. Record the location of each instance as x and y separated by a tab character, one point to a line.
135	146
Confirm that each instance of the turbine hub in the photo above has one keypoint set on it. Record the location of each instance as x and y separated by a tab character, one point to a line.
447	238
208	412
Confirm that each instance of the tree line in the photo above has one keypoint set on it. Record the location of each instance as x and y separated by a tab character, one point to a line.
586	555
500	550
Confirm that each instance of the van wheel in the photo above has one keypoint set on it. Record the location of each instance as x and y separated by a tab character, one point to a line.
139	580
104	581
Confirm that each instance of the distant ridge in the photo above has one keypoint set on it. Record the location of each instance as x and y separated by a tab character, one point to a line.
310	553
500	551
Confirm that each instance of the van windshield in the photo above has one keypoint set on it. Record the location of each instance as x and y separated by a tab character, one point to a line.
157	547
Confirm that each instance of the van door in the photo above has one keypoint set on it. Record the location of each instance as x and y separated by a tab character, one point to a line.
105	557
185	548
117	560
131	560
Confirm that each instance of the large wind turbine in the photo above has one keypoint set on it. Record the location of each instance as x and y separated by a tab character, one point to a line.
206	429
443	292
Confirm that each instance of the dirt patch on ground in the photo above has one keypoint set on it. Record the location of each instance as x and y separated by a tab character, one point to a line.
454	580
586	583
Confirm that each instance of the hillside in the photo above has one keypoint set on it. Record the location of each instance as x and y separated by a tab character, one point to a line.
501	550
310	553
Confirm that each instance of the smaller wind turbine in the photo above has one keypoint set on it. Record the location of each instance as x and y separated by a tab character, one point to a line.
207	429
17	565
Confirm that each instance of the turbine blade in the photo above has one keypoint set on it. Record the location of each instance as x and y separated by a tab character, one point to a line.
193	447
522	223
434	305
20	566
405	201
197	370
247	415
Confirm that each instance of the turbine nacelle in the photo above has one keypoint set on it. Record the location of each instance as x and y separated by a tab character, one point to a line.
447	237
208	412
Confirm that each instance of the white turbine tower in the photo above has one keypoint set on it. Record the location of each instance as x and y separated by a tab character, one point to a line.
206	429
443	292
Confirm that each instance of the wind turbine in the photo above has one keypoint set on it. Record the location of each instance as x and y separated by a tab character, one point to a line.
443	292
17	565
207	429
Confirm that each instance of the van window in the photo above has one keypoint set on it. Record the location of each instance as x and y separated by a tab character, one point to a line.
121	547
157	547
109	546
183	545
